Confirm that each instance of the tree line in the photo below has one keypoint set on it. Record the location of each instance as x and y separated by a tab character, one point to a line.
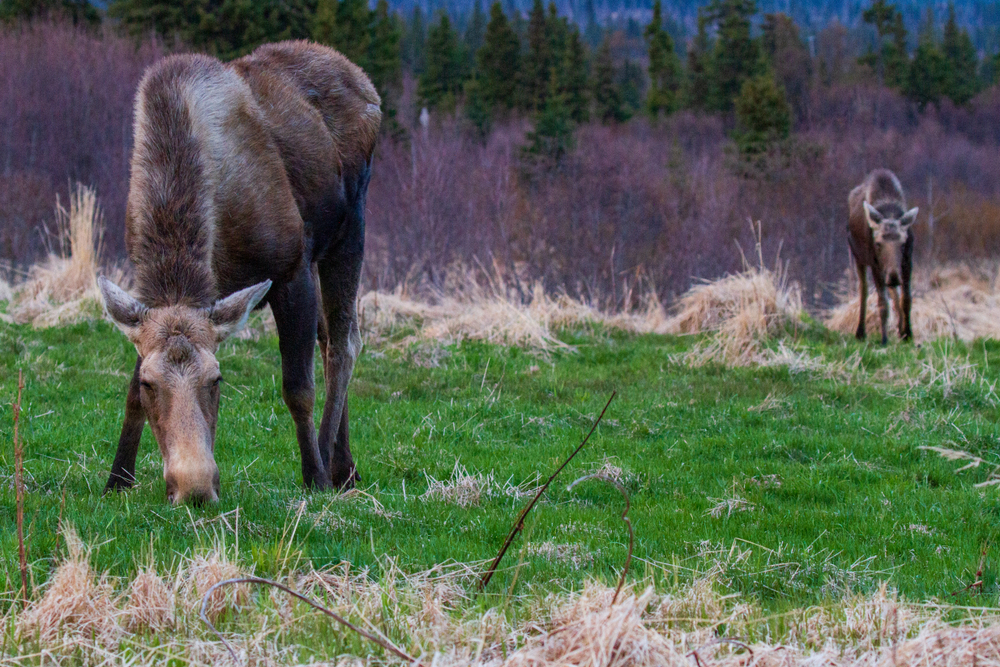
501	63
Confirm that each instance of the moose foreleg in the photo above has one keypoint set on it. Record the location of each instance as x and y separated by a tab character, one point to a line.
123	468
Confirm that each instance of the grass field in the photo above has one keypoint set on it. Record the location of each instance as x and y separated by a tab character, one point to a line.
790	485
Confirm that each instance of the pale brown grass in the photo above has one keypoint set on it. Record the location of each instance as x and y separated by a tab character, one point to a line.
63	288
81	618
954	300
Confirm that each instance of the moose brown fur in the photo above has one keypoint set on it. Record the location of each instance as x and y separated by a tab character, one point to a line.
880	238
248	186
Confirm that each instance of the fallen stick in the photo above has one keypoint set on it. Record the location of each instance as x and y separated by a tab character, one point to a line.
519	523
384	643
22	555
628	522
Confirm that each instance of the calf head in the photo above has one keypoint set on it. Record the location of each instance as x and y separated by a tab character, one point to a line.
890	235
179	379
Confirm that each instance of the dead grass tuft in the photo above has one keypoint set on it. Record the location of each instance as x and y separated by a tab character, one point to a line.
76	607
742	311
150	603
467	489
63	288
206	570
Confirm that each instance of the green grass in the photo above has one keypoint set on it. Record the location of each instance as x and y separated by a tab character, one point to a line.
842	495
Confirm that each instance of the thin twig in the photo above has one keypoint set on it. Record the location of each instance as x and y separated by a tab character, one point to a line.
519	523
383	642
978	583
628	522
22	555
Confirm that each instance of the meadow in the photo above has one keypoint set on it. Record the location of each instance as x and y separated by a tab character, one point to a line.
788	486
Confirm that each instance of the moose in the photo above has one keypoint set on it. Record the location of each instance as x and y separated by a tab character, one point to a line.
878	233
248	185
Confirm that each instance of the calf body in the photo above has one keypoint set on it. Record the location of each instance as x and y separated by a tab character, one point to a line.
880	238
248	186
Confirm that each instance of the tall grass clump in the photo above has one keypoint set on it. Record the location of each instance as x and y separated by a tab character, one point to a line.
63	288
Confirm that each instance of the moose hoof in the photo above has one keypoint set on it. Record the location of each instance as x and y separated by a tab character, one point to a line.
347	480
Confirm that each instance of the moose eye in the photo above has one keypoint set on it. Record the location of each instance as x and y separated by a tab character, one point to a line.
146	385
217	381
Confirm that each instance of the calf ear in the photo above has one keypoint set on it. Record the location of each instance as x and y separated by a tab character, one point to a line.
230	314
909	217
874	217
124	310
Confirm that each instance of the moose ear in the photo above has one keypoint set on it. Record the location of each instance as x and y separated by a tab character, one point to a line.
229	315
124	310
874	217
909	217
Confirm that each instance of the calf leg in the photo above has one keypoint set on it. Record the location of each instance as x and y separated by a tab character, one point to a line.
905	332
295	312
883	308
863	295
123	468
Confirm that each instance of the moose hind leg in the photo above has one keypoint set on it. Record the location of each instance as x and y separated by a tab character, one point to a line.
339	278
123	469
295	312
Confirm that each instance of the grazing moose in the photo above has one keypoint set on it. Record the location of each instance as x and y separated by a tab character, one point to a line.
248	186
878	233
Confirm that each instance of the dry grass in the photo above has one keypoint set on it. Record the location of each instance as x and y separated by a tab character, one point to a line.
63	288
467	489
742	312
956	300
82	618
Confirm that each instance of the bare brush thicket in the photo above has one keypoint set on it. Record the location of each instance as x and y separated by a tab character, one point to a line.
85	617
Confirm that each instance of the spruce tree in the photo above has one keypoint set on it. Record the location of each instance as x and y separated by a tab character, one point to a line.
963	83
499	62
896	56
573	78
535	71
880	15
762	115
385	61
736	58
442	80
664	66
557	28
552	135
475	32
787	58
608	105
928	75
415	41
78	11
698	86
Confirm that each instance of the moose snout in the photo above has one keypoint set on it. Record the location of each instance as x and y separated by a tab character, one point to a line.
193	485
893	280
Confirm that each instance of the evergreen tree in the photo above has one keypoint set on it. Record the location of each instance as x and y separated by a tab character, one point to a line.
788	59
226	28
895	56
478	110
632	86
592	32
607	97
415	41
762	115
736	57
442	80
552	135
557	28
535	70
573	78
499	62
475	32
664	66
698	88
385	60
928	75
78	11
881	15
963	83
